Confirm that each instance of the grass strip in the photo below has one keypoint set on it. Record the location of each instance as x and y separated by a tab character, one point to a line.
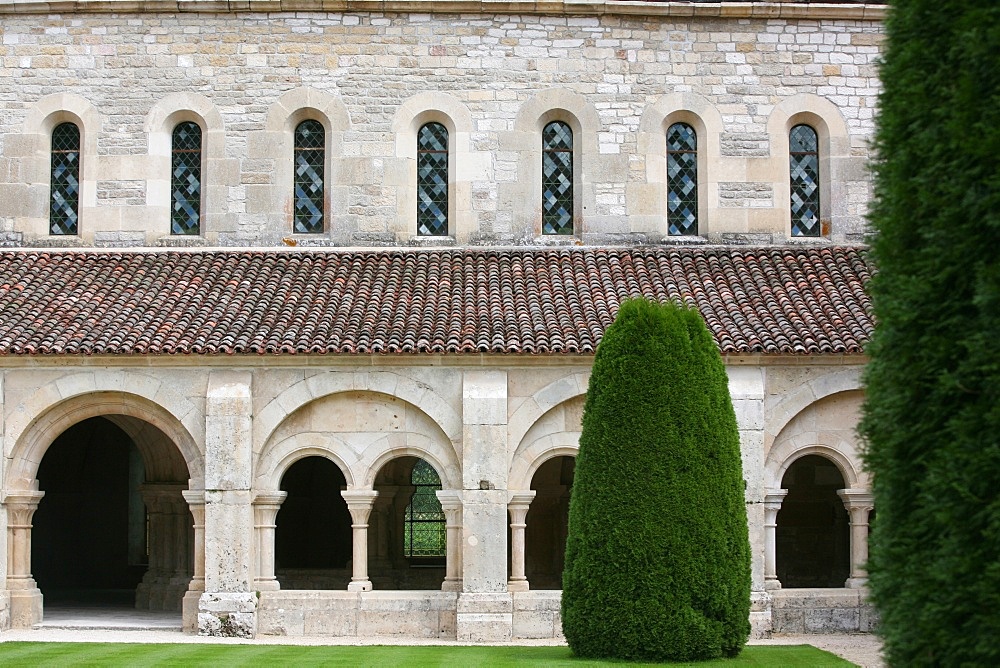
231	656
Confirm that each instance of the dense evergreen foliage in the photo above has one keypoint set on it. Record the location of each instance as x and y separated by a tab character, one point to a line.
657	557
932	417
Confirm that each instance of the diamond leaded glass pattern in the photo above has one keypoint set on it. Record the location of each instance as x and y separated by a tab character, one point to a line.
424	533
185	179
803	157
64	188
557	179
682	180
432	180
310	161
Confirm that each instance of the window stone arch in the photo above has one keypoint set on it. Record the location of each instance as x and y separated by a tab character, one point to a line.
464	166
216	171
648	201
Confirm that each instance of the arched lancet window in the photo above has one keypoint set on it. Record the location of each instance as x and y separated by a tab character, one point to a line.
310	159
424	532
682	180
185	179
557	179
64	188
803	156
432	180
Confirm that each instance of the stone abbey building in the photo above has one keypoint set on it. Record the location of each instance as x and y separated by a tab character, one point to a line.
299	299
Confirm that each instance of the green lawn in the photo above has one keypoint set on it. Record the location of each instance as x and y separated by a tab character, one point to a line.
126	654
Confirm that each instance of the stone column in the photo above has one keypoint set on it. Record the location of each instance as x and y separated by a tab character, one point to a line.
518	509
189	606
859	503
451	504
746	388
359	504
485	610
229	605
25	596
159	590
265	512
772	504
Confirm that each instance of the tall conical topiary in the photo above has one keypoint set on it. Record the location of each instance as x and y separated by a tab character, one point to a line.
657	556
932	411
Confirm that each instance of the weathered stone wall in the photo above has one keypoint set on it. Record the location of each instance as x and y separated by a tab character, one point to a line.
374	78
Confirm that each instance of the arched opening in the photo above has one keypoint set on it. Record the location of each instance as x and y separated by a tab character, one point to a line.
407	544
547	521
112	528
812	539
312	536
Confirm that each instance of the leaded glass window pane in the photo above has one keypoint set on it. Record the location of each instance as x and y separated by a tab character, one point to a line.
64	188
432	180
804	170
682	180
310	161
424	533
557	179
185	179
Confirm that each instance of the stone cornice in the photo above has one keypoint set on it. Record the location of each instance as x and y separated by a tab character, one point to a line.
775	9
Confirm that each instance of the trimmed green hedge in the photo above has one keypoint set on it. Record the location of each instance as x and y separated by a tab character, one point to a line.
657	556
932	414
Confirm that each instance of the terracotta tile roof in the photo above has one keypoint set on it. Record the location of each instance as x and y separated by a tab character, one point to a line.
773	300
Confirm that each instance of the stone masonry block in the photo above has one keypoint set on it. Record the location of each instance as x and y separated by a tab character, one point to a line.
484	397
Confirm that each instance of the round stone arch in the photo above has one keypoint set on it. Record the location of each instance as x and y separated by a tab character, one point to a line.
554	104
528	460
835	162
541	402
450	112
272	466
323	384
33	441
778	463
812	391
443	462
650	212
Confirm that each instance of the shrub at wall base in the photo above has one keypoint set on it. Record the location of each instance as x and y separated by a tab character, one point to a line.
657	556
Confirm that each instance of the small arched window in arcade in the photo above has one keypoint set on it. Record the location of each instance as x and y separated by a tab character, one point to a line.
310	161
557	179
432	180
682	180
64	185
424	533
185	179
803	157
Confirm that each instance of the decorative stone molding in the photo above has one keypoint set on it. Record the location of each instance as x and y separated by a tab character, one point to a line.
765	10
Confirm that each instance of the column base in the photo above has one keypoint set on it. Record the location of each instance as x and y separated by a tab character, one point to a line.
772	584
227	614
486	617
25	608
451	585
189	611
517	585
362	585
856	583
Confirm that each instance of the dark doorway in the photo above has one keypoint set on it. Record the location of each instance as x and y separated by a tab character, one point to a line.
812	537
89	532
547	522
312	537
